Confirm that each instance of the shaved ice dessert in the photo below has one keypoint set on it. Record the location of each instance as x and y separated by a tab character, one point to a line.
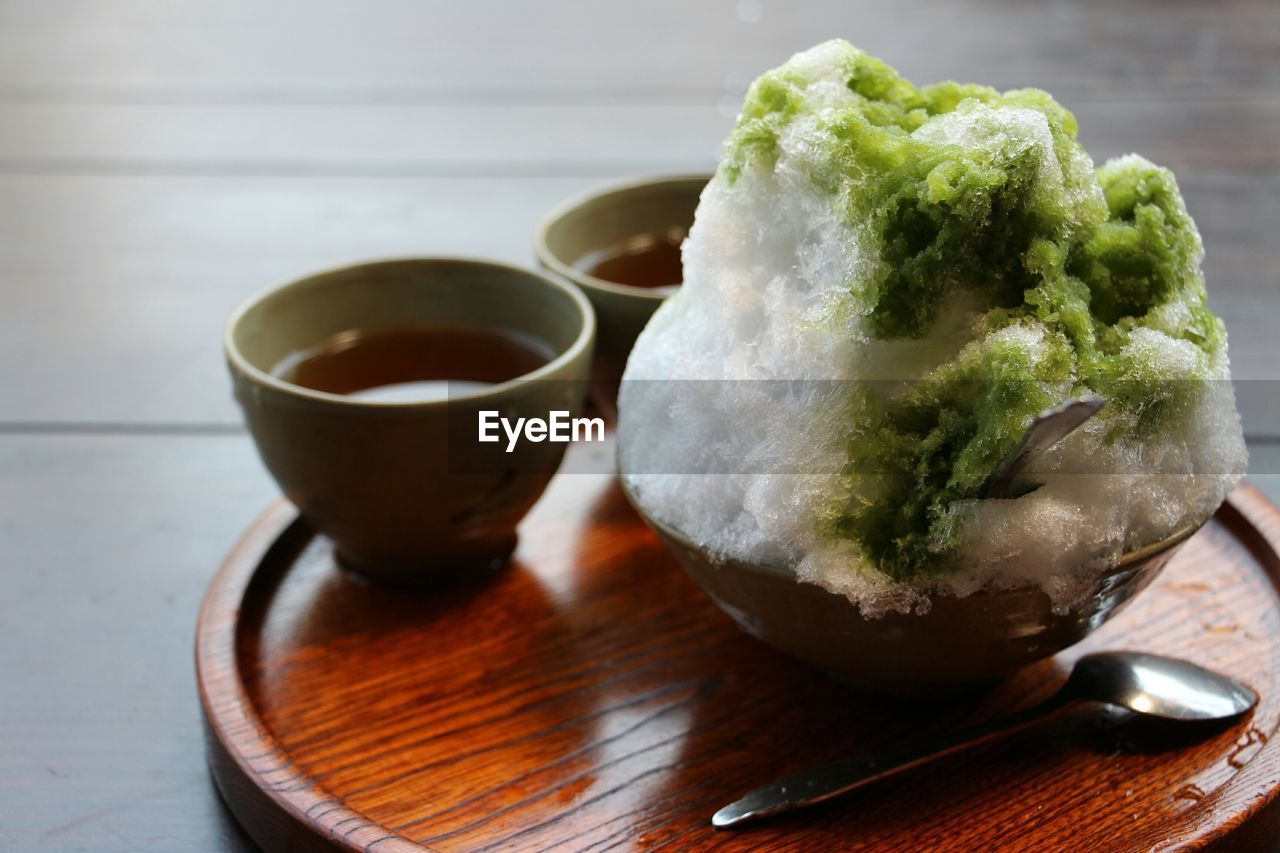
884	285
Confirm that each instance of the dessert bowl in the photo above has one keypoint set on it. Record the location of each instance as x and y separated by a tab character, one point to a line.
958	641
885	286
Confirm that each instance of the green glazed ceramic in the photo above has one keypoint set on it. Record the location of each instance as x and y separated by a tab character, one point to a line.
406	491
959	641
608	218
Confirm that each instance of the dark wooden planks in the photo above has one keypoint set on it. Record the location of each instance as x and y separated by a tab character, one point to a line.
106	544
482	140
116	288
1264	468
123	259
401	49
1190	137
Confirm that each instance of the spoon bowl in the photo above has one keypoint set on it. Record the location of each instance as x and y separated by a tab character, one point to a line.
1157	686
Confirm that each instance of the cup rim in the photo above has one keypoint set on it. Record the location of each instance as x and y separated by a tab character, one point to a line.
1124	561
553	261
242	365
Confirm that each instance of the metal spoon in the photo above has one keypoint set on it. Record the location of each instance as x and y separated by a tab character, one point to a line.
1148	685
1049	427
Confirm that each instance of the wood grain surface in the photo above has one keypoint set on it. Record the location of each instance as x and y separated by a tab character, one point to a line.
592	698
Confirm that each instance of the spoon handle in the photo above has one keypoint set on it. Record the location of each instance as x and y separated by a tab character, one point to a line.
818	784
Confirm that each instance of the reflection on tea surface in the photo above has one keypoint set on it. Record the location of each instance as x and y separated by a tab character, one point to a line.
646	260
414	363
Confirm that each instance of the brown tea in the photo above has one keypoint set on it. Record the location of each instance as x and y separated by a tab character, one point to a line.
414	363
649	260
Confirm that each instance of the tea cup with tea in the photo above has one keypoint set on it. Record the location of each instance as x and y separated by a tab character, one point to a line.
621	246
364	389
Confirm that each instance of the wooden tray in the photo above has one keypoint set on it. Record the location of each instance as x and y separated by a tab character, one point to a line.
591	697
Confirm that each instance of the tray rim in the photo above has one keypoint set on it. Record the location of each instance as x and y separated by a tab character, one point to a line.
243	753
240	783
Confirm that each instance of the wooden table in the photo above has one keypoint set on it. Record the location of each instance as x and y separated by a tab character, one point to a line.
161	161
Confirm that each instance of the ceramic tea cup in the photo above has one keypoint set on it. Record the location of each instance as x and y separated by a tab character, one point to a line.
617	219
405	490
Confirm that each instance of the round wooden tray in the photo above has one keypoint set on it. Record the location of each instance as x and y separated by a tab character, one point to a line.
591	697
